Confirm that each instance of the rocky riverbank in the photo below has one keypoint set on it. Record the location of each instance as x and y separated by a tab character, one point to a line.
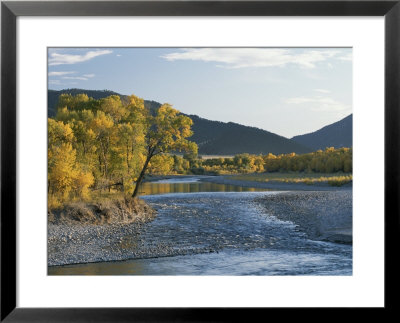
100	231
325	216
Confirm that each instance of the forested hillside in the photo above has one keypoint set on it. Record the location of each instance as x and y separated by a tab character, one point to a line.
53	97
338	134
212	137
221	138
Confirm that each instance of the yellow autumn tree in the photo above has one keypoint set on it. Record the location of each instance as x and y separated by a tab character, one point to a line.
62	171
66	177
166	132
161	164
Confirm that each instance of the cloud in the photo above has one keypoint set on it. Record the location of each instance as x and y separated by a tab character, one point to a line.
75	78
118	55
54	82
84	77
347	57
58	82
60	73
322	91
254	57
319	103
59	59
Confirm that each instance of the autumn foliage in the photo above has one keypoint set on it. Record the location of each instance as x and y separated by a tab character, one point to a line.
330	160
106	144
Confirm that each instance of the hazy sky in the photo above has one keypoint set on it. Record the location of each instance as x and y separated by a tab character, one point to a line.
288	91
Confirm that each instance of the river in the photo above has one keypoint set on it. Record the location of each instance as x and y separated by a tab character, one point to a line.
215	229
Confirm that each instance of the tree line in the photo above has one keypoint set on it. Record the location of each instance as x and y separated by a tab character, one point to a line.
330	160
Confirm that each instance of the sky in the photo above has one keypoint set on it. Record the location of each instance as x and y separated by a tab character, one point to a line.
287	91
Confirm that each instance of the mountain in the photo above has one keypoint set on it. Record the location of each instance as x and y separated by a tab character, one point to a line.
338	134
221	138
212	137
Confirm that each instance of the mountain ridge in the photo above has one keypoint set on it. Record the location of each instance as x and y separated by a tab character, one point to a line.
212	137
338	134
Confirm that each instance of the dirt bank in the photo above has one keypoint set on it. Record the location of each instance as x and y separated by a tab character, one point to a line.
120	210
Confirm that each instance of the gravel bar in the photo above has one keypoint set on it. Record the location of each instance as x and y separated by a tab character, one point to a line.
78	244
325	216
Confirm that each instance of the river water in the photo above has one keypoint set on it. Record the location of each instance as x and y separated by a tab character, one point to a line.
214	229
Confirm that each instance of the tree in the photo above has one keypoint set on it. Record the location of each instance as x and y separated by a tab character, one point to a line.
161	164
65	176
167	132
103	128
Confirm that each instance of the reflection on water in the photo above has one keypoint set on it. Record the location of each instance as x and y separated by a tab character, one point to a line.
100	268
228	262
190	186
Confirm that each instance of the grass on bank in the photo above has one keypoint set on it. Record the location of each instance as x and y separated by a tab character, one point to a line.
333	179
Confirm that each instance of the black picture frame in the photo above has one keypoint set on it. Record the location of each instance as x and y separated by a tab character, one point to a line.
10	10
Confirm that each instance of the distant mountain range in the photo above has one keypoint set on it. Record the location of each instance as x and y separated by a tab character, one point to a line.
338	134
213	137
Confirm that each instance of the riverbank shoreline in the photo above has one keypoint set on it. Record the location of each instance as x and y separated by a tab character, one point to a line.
110	210
321	215
77	244
93	231
227	180
271	185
